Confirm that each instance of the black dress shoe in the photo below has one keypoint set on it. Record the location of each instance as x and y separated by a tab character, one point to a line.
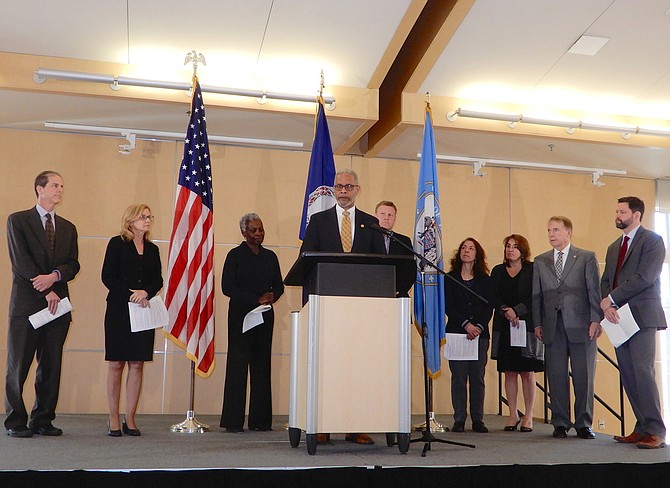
235	430
586	433
47	429
459	426
21	431
478	426
129	431
560	432
113	433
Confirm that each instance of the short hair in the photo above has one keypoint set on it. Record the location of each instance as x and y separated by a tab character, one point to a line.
560	218
386	203
480	267
521	244
635	204
43	178
347	171
131	214
247	217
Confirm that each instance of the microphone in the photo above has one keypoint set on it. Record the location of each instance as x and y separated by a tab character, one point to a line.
380	229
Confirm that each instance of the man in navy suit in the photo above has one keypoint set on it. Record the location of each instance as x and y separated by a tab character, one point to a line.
324	233
386	212
44	256
633	267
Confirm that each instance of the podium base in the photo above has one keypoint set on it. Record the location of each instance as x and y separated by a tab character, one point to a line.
434	425
190	425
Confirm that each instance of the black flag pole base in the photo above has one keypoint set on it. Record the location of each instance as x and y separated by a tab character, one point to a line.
433	424
190	425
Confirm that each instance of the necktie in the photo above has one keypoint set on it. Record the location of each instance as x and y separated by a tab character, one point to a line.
387	243
50	233
559	266
345	233
622	255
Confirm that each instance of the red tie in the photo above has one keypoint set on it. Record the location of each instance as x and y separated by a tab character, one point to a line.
622	255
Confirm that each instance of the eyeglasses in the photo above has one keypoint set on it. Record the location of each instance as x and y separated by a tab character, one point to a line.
145	217
339	187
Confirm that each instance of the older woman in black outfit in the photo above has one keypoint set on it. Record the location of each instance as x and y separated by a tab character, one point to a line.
469	315
512	299
251	277
132	273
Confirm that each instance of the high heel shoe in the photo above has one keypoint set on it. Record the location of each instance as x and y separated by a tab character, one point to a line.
129	431
512	428
113	433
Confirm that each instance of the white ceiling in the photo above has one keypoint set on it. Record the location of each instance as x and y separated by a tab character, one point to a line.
503	54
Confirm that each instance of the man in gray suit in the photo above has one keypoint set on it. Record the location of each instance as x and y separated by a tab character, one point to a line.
632	276
44	256
567	316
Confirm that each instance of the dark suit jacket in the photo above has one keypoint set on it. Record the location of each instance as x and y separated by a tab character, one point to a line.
29	255
463	307
323	234
576	296
639	283
406	274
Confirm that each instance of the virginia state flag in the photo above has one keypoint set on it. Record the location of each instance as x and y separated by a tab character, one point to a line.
428	242
321	177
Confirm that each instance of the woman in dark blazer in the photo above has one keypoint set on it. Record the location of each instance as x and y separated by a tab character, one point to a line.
132	273
512	301
467	314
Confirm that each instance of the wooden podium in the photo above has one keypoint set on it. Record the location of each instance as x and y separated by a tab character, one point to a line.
350	349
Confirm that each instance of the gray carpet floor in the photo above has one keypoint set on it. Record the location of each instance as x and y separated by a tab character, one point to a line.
85	445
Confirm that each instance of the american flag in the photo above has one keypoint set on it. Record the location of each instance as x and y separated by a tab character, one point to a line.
190	284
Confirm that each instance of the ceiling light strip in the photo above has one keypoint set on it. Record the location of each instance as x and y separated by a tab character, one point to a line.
163	135
569	125
41	75
526	164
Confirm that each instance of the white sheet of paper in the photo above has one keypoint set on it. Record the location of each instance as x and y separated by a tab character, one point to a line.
254	318
43	317
152	317
624	330
517	335
459	348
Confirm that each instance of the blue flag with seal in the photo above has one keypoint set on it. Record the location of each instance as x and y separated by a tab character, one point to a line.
429	293
321	177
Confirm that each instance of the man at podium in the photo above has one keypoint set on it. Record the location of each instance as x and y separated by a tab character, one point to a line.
344	228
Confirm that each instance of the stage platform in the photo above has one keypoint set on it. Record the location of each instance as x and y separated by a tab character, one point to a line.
86	456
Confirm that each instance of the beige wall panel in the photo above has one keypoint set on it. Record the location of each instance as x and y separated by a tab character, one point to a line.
100	183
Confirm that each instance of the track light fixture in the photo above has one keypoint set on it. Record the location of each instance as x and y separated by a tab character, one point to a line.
570	125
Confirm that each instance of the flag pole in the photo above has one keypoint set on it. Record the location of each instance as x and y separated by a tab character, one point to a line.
431	424
190	424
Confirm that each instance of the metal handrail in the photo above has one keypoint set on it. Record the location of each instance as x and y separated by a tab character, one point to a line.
620	415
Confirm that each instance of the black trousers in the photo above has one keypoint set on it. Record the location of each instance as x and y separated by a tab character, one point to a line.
248	353
23	344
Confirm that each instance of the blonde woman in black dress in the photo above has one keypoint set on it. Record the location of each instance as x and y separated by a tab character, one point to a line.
512	291
132	273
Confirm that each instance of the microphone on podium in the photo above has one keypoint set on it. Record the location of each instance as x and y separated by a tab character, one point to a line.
379	229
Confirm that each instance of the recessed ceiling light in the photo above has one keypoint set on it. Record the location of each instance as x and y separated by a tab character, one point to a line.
588	45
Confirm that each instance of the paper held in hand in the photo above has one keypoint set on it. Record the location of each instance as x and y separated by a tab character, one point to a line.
459	348
152	317
254	318
43	317
624	330
517	335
